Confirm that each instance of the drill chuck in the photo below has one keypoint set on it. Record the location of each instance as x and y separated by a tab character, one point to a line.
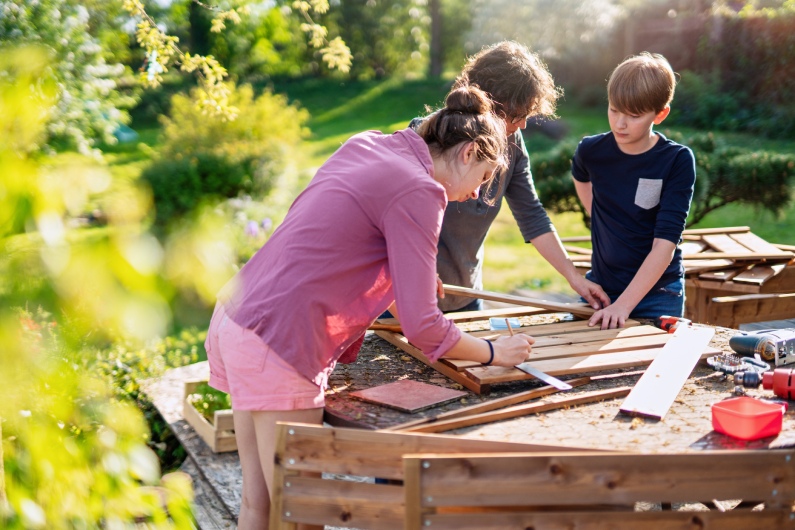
780	380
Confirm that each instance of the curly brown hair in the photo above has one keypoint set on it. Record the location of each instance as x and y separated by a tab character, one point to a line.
516	80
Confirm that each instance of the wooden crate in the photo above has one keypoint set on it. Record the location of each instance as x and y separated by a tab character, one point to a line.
219	435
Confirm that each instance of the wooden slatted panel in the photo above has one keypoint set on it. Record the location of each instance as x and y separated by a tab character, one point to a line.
734	310
574	365
567	339
616	478
658	520
343	503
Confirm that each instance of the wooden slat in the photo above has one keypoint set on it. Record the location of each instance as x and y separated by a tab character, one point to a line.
723	243
599	347
366	453
657	389
708	231
582	478
485	314
575	365
741	256
495	404
519	410
343	503
720	275
755	243
578	250
759	274
541	330
600	520
581	310
692	247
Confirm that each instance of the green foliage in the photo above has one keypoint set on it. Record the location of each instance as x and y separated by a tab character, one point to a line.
207	400
74	455
204	159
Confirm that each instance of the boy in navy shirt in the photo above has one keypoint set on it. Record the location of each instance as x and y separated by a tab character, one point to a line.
637	186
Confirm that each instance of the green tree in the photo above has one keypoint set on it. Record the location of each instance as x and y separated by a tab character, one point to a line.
88	105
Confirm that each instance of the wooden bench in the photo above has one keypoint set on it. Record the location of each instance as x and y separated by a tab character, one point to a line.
577	490
339	501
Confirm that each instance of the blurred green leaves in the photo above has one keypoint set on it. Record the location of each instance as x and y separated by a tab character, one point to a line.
74	457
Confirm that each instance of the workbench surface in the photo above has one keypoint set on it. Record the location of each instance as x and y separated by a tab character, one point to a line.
686	427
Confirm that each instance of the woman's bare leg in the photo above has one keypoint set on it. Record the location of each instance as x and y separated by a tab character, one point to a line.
255	432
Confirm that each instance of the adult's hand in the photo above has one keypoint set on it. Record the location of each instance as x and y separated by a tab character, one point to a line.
510	351
592	292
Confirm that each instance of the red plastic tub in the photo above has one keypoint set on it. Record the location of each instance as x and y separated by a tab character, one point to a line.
747	418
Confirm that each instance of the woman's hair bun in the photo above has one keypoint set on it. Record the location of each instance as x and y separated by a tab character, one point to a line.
468	99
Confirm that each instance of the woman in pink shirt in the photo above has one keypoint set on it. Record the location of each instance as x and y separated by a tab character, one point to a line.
361	237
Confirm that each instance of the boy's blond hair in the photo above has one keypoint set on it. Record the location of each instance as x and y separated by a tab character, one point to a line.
642	84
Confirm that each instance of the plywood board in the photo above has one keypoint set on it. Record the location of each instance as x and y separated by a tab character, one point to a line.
408	396
656	390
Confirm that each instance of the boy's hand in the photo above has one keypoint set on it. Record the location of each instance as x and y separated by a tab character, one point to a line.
592	292
612	317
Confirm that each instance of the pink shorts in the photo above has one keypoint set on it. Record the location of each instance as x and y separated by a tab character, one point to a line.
244	367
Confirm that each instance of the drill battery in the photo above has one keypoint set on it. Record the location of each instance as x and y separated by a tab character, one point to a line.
776	346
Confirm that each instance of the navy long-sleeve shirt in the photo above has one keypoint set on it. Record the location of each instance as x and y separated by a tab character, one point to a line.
636	199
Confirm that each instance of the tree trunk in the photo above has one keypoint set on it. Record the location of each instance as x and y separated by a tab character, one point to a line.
435	67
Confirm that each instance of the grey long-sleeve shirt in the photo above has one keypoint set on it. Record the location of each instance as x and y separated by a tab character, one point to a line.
465	224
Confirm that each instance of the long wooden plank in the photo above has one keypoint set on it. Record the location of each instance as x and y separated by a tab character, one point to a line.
724	230
724	243
495	404
366	453
571	249
575	309
574	365
541	330
597	347
587	478
720	275
485	314
518	410
657	389
563	339
754	242
759	274
601	520
743	256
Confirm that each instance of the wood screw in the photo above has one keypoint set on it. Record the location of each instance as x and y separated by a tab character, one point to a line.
426	465
292	461
291	431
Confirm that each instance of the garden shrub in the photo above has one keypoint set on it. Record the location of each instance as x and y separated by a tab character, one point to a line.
203	158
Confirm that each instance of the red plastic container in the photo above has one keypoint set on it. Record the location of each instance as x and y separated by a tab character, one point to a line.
747	418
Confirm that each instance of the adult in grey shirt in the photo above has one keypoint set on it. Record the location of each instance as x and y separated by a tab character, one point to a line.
521	87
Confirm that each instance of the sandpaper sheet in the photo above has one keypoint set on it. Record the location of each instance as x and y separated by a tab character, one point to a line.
408	396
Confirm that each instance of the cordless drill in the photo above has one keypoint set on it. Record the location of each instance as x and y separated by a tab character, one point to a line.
776	346
780	380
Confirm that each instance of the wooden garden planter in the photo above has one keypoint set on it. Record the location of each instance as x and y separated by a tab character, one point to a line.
219	435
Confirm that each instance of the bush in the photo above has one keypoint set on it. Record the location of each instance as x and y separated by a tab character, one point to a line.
203	159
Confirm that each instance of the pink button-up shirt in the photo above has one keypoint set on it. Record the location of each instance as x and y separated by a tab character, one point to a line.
362	234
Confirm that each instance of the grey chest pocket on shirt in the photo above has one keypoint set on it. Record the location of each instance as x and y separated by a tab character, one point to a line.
648	194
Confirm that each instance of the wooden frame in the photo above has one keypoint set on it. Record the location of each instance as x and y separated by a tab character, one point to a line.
334	500
219	435
586	490
564	348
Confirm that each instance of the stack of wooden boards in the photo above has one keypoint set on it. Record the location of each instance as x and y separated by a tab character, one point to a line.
561	348
720	254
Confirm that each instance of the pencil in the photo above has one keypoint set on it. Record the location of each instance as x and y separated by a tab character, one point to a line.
510	329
